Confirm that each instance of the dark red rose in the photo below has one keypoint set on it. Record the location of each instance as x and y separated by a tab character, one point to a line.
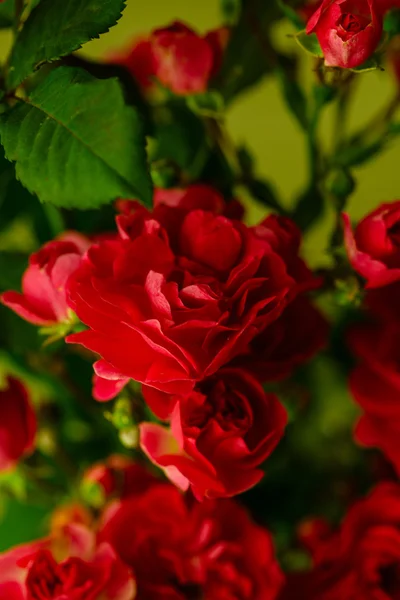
349	31
219	436
181	292
375	386
17	424
361	560
182	552
176	56
43	298
118	476
308	8
293	339
374	247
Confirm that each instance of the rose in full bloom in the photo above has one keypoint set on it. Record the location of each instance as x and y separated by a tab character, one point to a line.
17	424
176	56
361	560
73	568
43	299
374	246
183	550
181	292
219	436
349	31
375	386
293	339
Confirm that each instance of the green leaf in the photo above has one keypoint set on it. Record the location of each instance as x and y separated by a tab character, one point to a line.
291	14
309	43
294	96
309	208
249	55
209	104
391	22
75	142
7	14
230	10
56	28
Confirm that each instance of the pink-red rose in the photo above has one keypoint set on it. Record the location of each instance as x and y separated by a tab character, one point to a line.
361	560
219	436
81	571
176	56
349	31
181	292
180	549
17	424
43	299
375	386
374	246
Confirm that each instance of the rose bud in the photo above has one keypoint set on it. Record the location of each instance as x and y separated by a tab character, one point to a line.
176	56
359	561
220	434
187	550
349	31
43	299
373	248
17	424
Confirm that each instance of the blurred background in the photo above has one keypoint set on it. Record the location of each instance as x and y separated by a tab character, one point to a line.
260	121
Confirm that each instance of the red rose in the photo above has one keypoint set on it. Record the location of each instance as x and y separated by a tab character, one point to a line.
293	339
17	424
179	551
220	434
84	572
308	8
349	31
178	57
374	247
361	560
43	298
180	293
375	386
118	476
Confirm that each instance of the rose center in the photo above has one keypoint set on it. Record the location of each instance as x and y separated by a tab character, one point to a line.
394	234
225	407
44	580
390	581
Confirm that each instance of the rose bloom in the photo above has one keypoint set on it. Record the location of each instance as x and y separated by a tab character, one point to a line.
361	560
349	31
69	567
176	56
219	435
374	246
181	550
17	424
293	339
181	292
43	299
375	386
308	8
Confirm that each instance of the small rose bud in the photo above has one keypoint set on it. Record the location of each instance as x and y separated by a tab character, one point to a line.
17	424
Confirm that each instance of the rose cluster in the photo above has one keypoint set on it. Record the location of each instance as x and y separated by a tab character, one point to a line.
359	561
199	308
147	544
373	249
